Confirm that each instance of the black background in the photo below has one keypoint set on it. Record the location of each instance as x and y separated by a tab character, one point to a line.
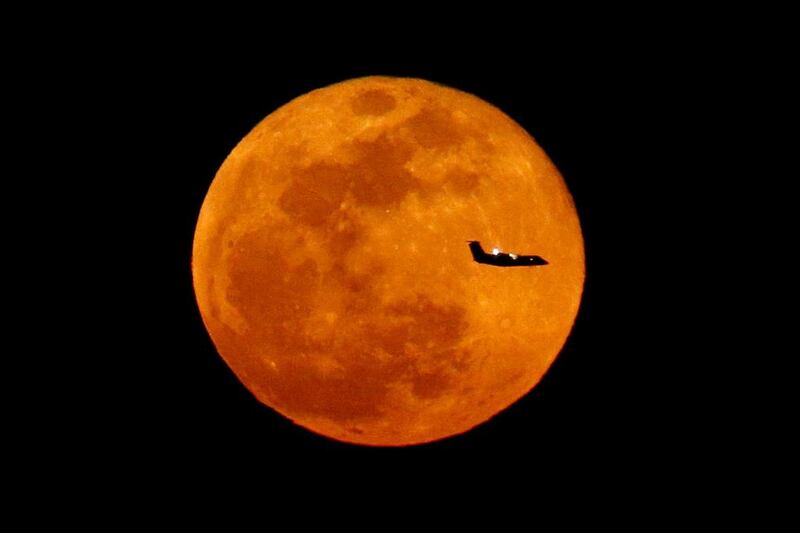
609	116
660	389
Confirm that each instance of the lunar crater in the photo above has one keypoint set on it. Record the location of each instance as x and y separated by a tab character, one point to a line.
373	102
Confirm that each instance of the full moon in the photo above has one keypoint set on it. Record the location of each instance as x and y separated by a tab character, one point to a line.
332	272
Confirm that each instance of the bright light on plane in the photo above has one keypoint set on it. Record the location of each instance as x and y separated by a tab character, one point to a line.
495	251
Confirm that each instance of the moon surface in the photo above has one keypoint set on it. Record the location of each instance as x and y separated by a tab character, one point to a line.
332	273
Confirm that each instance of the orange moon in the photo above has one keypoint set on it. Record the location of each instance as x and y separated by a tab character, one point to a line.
332	273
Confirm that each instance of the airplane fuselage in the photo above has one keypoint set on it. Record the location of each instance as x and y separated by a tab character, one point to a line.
497	258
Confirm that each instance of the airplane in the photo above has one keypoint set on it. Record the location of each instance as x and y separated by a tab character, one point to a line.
497	258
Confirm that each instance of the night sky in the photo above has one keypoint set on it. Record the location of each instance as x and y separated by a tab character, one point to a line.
605	115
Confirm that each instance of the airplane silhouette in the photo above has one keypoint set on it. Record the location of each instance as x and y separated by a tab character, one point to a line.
497	258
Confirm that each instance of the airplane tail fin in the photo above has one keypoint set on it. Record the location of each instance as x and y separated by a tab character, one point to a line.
476	249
